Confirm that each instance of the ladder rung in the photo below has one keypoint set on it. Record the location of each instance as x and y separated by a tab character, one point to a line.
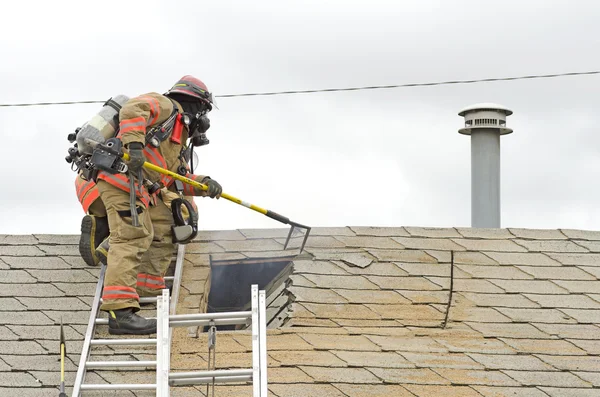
143	299
109	364
107	386
216	373
210	316
123	342
197	381
169	278
199	323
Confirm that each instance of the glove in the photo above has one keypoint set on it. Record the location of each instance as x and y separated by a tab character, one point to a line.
214	189
136	156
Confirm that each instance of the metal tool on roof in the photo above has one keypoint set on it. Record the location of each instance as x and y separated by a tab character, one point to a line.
63	353
166	320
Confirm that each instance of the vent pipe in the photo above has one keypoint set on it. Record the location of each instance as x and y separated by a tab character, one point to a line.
485	122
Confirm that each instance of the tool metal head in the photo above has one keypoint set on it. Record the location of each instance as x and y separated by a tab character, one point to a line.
297	226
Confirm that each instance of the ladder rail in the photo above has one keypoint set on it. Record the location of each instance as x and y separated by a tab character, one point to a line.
89	333
255	343
262	338
163	346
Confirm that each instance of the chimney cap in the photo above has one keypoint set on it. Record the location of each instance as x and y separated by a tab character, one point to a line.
485	106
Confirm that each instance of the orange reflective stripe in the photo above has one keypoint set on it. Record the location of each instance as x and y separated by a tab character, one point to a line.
150	281
155	157
87	202
115	292
122	182
135	124
154	108
84	189
188	190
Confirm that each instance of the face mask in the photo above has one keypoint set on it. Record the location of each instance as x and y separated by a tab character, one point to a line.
198	127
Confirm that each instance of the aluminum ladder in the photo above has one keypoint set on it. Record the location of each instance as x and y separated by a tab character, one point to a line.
166	320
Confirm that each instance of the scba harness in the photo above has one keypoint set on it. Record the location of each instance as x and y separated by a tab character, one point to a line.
96	148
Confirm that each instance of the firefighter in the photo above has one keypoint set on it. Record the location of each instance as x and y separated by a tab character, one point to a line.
127	277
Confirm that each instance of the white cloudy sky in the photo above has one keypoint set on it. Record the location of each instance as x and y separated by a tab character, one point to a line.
379	158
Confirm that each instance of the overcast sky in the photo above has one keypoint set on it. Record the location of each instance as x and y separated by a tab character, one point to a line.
379	158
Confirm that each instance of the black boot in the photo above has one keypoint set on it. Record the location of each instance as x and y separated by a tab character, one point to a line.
126	322
94	229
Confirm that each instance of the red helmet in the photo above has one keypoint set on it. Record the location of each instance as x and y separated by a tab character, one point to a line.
191	86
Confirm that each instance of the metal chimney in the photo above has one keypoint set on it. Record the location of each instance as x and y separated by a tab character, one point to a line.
485	122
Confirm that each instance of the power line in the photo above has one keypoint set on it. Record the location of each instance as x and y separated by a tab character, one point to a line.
374	87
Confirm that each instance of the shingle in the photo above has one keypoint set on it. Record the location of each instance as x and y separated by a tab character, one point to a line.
592	270
18	380
474	345
581	234
40	332
468	285
209	247
317	267
585	346
344	375
550	246
577	259
331	231
374	359
501	272
380	297
335	311
484	233
41	362
289	375
46	263
402	256
473	258
358	258
77	289
315	295
354	390
22	239
575	331
290	357
409	376
489	245
408	344
519	258
509	330
538	234
511	361
69	317
375	268
477	314
592	246
579	287
340	342
379	231
24	348
558	273
494	391
25	318
67	276
15	277
476	377
447	391
404	283
549	378
445	360
426	269
407	312
302	390
315	242
572	363
425	296
499	300
57	239
37	290
369	242
584	316
300	281
62	303
20	250
546	315
442	244
433	232
55	250
592	377
570	392
568	301
530	286
7	334
346	282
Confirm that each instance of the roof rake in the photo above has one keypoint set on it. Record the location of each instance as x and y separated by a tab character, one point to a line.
271	214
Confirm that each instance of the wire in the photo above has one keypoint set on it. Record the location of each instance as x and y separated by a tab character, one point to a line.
374	87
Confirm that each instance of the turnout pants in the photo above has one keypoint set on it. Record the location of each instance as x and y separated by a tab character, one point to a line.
138	257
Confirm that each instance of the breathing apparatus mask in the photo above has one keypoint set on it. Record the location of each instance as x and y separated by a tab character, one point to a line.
195	117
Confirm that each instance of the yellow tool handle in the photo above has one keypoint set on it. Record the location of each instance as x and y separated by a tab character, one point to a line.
202	186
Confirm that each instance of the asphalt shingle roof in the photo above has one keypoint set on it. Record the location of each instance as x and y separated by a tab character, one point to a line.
360	315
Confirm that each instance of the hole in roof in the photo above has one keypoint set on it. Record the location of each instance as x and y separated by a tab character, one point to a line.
231	280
